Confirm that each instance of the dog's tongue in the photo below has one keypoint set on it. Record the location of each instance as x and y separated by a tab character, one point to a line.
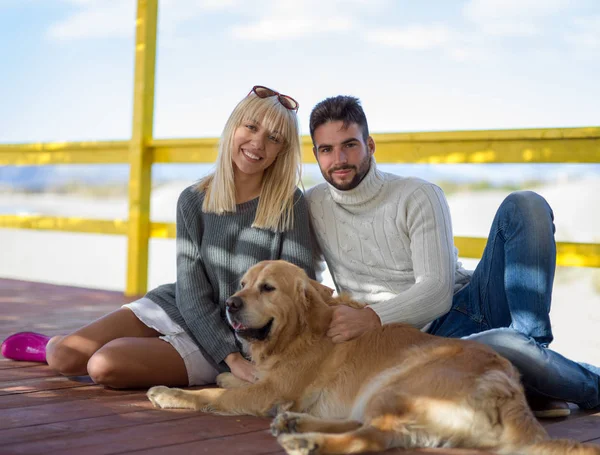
237	325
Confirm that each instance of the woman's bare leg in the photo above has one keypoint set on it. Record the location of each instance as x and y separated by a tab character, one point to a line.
70	354
137	363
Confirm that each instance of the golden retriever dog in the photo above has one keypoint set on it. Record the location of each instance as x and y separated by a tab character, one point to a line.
392	387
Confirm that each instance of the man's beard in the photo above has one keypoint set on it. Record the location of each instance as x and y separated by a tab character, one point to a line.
359	175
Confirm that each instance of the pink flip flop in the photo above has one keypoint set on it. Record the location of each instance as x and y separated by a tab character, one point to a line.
26	346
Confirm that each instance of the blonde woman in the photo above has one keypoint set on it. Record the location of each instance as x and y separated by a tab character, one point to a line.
248	210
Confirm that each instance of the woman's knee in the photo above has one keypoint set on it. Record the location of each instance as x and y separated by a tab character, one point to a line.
103	366
63	356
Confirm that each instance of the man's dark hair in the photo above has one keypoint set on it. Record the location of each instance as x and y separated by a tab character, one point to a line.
346	109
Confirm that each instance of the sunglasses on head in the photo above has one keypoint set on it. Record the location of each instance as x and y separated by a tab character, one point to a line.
264	92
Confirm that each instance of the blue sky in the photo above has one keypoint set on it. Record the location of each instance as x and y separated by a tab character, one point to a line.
66	66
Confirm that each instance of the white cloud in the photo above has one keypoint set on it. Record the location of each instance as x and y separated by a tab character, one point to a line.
514	28
585	36
272	20
518	18
464	54
209	5
116	18
96	19
454	44
259	19
173	12
414	37
274	28
483	10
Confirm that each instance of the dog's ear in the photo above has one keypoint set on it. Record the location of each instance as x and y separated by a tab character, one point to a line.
312	290
315	297
324	291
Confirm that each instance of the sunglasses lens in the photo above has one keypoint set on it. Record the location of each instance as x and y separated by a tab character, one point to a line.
263	92
289	103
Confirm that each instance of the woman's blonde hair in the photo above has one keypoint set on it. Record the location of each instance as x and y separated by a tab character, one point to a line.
276	204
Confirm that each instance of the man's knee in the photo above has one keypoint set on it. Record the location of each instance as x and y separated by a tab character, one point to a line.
521	350
63	356
529	208
526	201
502	338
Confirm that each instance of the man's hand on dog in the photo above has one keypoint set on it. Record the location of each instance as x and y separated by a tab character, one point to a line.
348	323
240	367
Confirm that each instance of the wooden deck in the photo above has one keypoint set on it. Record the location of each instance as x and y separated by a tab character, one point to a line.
41	412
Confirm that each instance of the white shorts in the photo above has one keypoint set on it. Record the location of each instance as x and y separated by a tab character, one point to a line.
199	370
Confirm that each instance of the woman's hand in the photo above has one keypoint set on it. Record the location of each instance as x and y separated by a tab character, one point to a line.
240	367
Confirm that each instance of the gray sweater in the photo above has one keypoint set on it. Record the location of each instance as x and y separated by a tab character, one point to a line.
213	253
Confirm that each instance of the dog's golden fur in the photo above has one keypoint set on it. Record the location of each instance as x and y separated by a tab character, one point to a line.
391	387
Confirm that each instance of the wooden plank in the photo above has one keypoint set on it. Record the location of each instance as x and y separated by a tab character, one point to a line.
547	145
64	224
97	152
585	428
141	437
434	452
37	371
33	385
80	426
74	410
203	150
262	442
86	392
252	443
140	156
38	293
480	151
568	254
50	309
11	364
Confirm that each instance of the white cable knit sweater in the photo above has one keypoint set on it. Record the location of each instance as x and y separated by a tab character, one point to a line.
389	244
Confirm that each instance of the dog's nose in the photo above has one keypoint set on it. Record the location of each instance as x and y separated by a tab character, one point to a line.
234	304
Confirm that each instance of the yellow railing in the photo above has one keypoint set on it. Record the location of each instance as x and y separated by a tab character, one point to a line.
555	145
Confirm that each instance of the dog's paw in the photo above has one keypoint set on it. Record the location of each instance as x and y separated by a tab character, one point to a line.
280	408
284	423
154	394
298	444
165	397
229	381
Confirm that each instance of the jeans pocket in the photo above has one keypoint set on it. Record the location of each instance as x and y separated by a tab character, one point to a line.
464	303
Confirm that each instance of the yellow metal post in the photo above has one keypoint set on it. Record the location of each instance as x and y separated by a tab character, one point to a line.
140	158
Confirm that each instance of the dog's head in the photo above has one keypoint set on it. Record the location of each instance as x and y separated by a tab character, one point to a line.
277	302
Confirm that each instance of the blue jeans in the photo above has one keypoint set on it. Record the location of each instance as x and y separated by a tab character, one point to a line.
506	304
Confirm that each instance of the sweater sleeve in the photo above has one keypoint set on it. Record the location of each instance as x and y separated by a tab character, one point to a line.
193	292
318	257
297	245
426	219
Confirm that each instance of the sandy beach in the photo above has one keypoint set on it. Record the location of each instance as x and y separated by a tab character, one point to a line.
97	261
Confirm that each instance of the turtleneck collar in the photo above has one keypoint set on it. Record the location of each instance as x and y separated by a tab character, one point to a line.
366	190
